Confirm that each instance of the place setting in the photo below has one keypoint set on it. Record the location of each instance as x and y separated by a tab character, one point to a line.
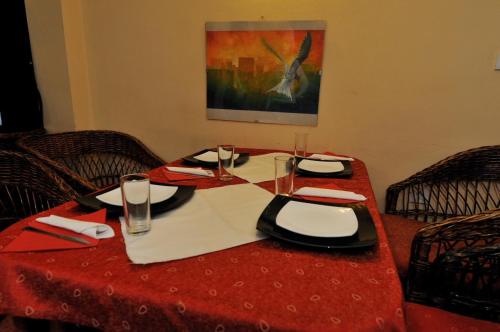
306	216
163	197
312	167
54	232
319	165
210	158
136	198
201	165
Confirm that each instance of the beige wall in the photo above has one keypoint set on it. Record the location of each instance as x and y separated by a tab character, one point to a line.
76	55
49	58
404	83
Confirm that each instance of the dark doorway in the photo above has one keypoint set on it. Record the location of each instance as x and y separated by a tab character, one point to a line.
20	102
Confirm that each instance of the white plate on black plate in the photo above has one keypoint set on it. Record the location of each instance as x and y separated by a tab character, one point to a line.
324	168
208	158
352	225
164	197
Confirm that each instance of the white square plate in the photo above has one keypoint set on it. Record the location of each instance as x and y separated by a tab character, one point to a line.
317	220
319	166
158	194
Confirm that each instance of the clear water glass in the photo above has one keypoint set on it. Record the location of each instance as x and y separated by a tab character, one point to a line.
225	153
135	190
300	149
284	172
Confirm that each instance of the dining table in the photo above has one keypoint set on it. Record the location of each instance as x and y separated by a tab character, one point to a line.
266	285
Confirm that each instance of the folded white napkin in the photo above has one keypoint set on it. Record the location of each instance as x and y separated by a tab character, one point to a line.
317	220
190	170
92	229
328	157
211	156
332	193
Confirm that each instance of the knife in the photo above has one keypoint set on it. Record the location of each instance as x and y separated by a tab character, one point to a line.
60	236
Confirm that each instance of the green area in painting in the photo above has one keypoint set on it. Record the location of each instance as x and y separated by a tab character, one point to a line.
240	90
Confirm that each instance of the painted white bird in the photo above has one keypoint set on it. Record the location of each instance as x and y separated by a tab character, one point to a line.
293	71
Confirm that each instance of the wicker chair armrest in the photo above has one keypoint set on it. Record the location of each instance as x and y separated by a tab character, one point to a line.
467	279
462	228
455	264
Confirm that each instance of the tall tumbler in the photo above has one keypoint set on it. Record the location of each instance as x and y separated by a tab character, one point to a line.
284	172
136	203
300	149
225	155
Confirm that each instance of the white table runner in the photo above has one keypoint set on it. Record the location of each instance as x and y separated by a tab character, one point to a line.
258	168
214	219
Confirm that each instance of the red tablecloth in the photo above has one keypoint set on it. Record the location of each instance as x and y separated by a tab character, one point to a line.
263	286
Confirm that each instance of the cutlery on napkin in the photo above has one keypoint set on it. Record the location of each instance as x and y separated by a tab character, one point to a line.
328	157
190	170
330	193
36	241
57	235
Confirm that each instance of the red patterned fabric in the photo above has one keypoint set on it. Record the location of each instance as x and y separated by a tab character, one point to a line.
400	233
262	286
422	318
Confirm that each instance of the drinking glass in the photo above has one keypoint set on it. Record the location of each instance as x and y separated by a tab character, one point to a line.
225	158
284	171
300	149
136	203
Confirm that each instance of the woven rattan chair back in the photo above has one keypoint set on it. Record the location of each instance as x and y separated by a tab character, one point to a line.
94	159
455	264
463	184
27	187
8	140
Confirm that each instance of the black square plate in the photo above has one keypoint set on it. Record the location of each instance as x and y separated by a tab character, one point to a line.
242	158
366	236
345	173
181	196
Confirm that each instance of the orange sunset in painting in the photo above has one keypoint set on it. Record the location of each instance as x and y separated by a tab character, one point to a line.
225	47
272	71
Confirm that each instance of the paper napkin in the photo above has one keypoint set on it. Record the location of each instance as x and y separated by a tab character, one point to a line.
211	156
329	157
190	170
93	229
330	193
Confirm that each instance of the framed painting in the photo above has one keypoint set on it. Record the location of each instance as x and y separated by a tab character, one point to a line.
264	72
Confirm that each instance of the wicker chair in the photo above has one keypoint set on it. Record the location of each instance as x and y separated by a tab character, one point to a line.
8	140
91	160
463	184
455	265
450	263
27	187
